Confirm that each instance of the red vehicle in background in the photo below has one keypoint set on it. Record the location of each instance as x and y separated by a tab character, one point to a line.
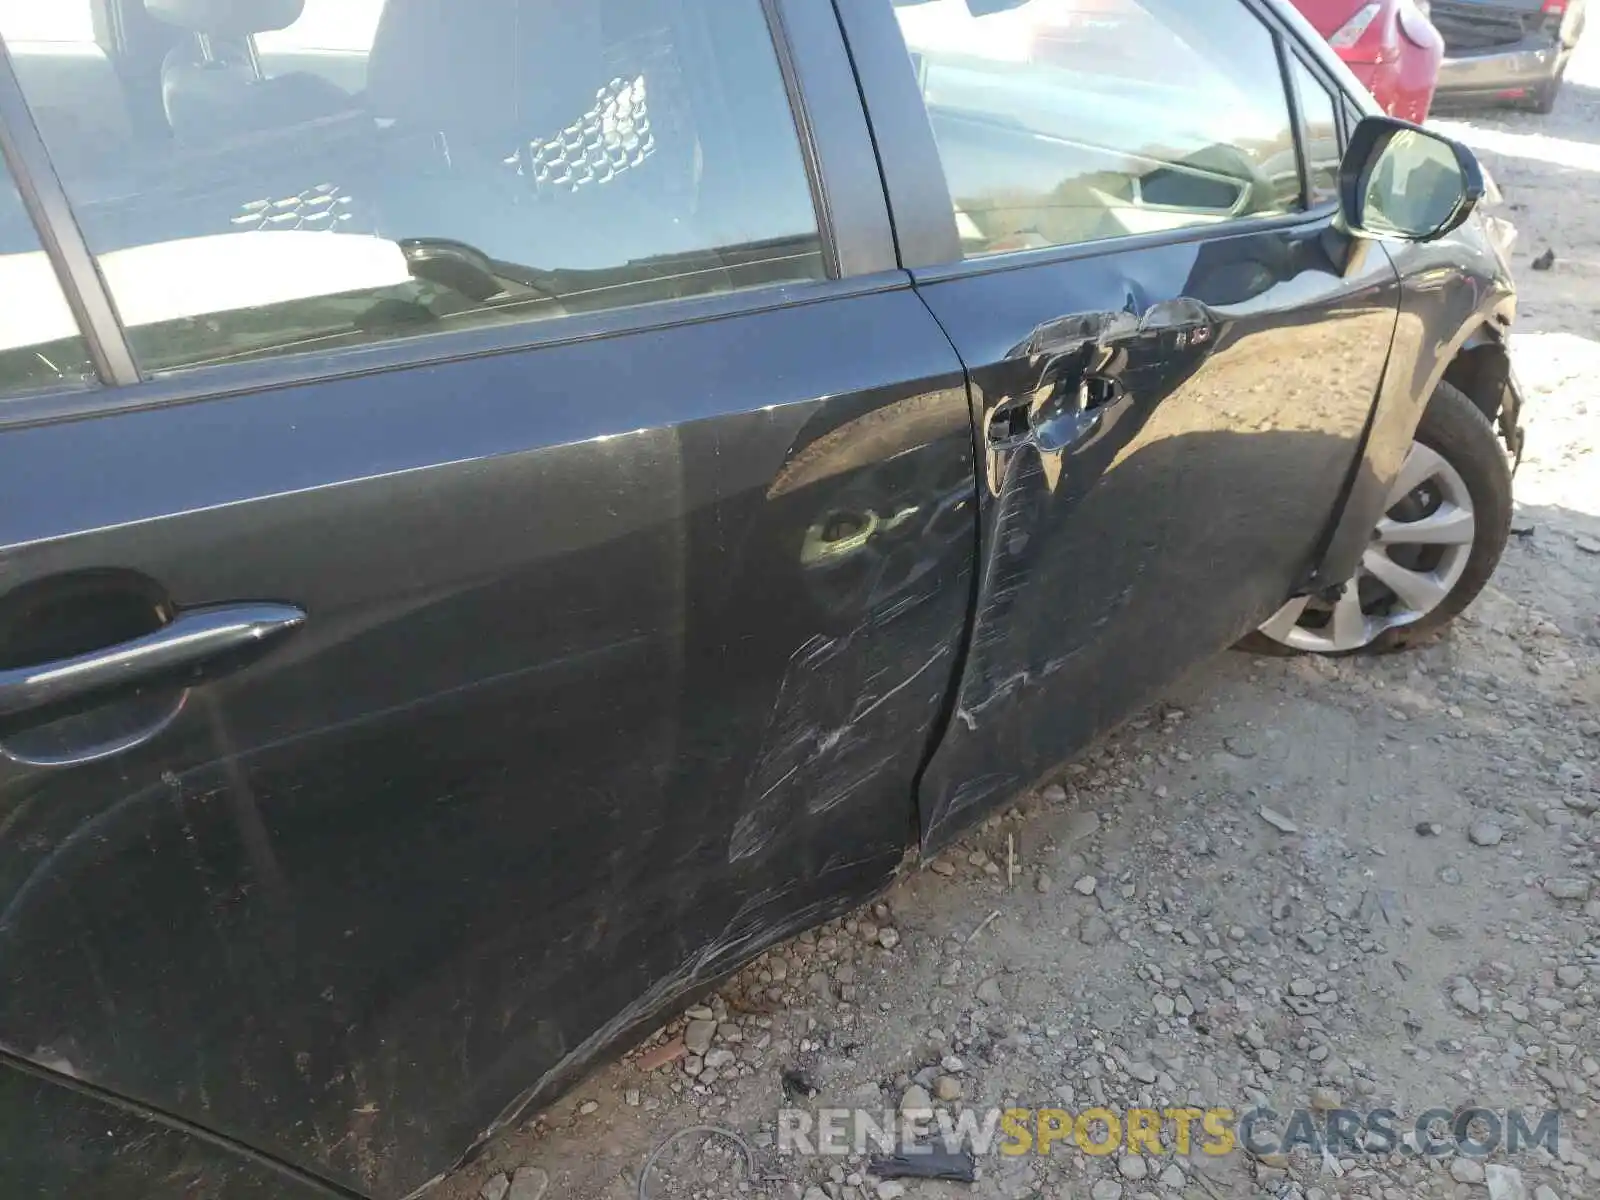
1390	45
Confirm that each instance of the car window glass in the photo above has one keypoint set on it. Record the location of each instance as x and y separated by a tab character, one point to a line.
1066	121
40	344
330	38
501	162
1321	134
47	21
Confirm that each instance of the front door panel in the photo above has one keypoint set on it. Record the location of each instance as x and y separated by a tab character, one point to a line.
1166	432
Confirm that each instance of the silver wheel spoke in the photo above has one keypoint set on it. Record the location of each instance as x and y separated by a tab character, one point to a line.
1349	624
1282	625
1421	464
1451	525
1418	590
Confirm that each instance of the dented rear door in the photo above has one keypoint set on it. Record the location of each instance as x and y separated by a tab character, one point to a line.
1164	419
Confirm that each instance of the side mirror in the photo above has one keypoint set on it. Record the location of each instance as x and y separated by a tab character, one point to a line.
1400	181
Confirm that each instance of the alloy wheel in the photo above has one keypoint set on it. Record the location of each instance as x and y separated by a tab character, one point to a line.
1417	555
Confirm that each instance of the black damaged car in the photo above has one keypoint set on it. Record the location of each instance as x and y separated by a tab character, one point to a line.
509	509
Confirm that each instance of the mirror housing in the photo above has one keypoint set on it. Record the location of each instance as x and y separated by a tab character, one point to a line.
1398	180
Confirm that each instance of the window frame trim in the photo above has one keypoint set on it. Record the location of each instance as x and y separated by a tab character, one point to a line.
45	201
851	206
266	374
1297	115
853	225
1132	243
1336	95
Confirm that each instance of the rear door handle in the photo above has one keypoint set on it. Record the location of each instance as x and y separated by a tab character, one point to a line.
187	644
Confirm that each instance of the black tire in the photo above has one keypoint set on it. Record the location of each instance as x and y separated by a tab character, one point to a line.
1543	99
1456	428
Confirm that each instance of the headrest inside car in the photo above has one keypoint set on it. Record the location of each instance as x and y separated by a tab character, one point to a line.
227	18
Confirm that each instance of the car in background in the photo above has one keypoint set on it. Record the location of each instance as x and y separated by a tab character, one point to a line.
1390	45
1512	51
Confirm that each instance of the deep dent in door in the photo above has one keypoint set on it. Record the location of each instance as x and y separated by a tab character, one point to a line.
1062	356
1190	416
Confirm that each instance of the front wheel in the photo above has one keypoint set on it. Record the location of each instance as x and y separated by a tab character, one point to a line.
1448	520
1543	98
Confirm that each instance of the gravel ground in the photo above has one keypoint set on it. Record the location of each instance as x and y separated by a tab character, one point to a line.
1370	883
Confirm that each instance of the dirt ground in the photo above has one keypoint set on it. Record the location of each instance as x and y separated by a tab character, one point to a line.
1414	925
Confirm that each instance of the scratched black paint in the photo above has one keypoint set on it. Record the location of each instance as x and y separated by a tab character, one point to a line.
622	660
597	695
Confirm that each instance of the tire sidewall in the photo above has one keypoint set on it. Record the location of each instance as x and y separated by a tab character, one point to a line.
1456	429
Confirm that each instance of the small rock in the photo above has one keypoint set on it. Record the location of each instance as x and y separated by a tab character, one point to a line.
1173	1178
1165	1005
1042	883
1132	1166
1086	885
1081	825
947	1088
1505	1183
940	867
1589	545
495	1188
989	993
529	1183
589	1106
1466	999
1545	1192
1567	888
1270	1060
1054	794
1545	261
1106	1189
1466	1170
1302	987
1240	747
890	1189
1429	829
1325	1099
1142	1071
1486	833
1093	931
660	1056
697	1037
916	1102
888	938
1569	976
1278	821
719	1058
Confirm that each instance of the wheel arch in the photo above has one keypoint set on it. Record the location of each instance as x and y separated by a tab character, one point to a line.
1481	368
1476	360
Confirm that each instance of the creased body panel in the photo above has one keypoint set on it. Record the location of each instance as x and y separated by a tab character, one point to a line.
620	657
1169	433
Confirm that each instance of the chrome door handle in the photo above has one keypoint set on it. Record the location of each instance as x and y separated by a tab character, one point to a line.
187	643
